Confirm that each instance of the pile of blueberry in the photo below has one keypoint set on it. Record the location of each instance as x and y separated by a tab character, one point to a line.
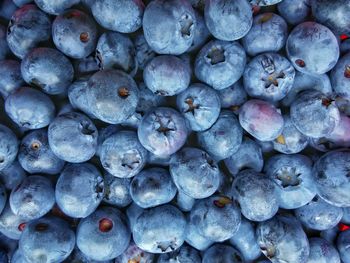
188	131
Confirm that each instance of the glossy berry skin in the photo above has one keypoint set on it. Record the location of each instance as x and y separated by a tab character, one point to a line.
340	76
166	69
184	254
176	32
220	63
324	11
12	175
220	253
8	147
11	80
104	234
35	155
194	172
160	229
228	20
268	76
79	190
162	131
256	195
282	239
28	27
135	254
122	155
343	242
331	177
41	239
143	52
292	175
248	156
10	223
261	119
56	7
233	97
116	51
117	191
268	34
291	140
223	138
152	187
304	44
200	105
123	16
74	33
245	241
4	48
73	137
294	11
112	96
47	69
33	198
217	218
30	108
319	215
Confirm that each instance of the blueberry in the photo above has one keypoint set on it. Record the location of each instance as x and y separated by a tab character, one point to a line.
73	137
27	28
256	195
319	215
30	108
148	100
79	257
233	97
3	197
7	8
11	80
201	33
228	20
268	34
152	187
11	225
223	138
294	11
79	190
134	254
343	242
18	257
340	135
56	7
160	229
117	191
330	234
122	155
74	33
282	239
184	201
85	66
12	175
194	238
162	131
220	63
184	254
292	175
104	134
143	52
32	198
133	212
166	69
8	147
47	239
104	234
269	76
321	251
116	51
314	114
4	48
220	253
331	174
195	173
123	16
304	45
261	119
200	105
340	76
175	34
248	156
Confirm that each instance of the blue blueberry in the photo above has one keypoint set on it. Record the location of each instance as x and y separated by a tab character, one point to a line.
74	33
148	100
194	238
340	135
11	80
330	234
195	173
18	257
340	76
12	175
55	7
228	20
220	63
294	11
30	108
7	8
175	34
233	97
201	33
305	44
343	243
117	191
200	105
79	257
321	251
220	253
4	48
166	69
184	254
143	52
85	66
160	229
133	212
11	225
73	137
314	114
122	155
269	76
135	254
104	234
8	147
264	2
184	201
27	28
